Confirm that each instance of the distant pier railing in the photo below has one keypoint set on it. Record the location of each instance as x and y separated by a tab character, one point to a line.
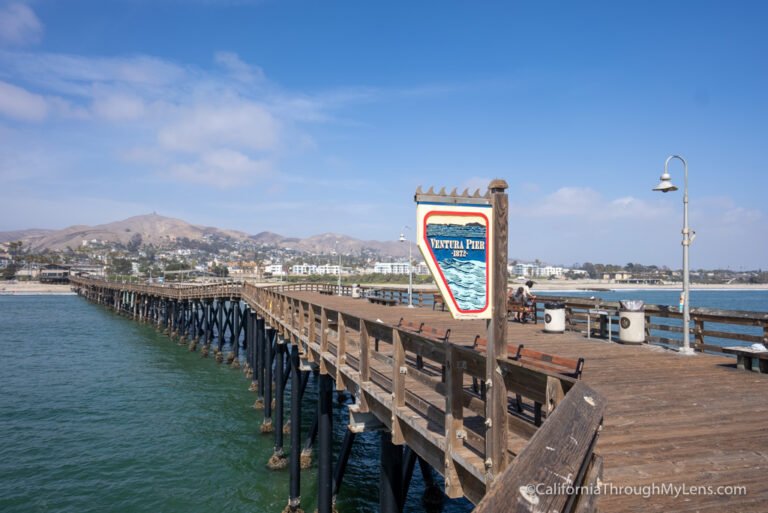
711	329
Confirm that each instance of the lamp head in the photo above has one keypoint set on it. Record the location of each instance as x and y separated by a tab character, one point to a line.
666	184
402	237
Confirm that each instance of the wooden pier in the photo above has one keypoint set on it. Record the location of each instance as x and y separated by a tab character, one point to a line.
670	420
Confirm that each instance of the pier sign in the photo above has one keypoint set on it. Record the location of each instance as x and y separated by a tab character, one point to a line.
454	236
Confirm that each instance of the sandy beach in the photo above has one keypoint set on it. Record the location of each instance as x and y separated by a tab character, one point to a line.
33	288
605	285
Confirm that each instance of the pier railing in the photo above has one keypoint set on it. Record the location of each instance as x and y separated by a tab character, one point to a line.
711	329
416	387
397	374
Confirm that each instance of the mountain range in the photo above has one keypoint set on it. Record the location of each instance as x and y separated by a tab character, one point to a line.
159	230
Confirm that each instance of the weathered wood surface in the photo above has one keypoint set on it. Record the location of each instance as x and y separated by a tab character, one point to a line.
693	420
532	481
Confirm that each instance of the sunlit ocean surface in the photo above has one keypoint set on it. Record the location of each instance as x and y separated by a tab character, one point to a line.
101	414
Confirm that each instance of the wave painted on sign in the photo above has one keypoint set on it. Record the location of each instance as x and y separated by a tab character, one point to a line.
467	282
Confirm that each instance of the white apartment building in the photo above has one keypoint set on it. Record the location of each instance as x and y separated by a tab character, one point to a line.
524	270
391	268
275	270
327	269
547	271
304	269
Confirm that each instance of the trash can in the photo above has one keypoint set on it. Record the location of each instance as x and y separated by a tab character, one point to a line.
631	322
554	317
356	291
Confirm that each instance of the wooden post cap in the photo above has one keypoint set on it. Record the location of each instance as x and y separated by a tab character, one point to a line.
498	185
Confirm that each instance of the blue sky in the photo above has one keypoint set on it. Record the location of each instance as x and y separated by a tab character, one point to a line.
307	117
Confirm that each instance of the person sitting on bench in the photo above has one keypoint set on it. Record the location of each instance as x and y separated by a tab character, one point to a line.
525	298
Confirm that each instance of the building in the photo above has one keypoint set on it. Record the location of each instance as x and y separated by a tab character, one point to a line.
391	268
549	271
54	274
304	269
524	270
328	269
275	270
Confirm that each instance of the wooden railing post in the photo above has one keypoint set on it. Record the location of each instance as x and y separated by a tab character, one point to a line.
496	402
698	331
454	419
341	351
323	340
399	371
364	356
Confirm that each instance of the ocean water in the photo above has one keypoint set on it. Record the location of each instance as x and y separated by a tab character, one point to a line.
101	414
753	300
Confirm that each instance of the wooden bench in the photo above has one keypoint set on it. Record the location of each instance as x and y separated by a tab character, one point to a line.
547	362
382	301
437	300
439	334
550	363
745	356
515	307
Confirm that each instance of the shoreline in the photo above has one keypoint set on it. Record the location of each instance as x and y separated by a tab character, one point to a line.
34	289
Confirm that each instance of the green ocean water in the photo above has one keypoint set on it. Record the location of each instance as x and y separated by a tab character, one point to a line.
101	414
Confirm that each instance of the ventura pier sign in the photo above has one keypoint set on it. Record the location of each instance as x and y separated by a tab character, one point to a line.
454	236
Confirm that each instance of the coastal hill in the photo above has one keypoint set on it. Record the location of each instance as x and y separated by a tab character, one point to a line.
160	230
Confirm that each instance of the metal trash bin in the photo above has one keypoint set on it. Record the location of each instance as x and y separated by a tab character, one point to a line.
356	291
631	322
554	317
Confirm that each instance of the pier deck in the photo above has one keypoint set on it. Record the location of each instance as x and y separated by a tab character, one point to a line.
685	420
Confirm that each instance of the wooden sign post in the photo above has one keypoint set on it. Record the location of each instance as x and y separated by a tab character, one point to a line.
463	239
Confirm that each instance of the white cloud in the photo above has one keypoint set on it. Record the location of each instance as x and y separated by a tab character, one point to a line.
239	69
221	168
19	25
119	107
20	104
241	124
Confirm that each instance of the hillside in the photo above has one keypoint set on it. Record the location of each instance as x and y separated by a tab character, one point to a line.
153	228
160	230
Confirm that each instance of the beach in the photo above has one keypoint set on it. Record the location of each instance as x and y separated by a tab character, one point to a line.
33	288
607	285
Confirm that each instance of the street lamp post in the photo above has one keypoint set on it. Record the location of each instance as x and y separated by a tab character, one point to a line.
410	267
688	235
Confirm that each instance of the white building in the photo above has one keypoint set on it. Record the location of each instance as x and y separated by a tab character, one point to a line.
304	269
421	269
524	270
547	271
275	270
391	268
327	269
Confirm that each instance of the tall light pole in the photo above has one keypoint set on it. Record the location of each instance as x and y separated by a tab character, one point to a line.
410	267
688	235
